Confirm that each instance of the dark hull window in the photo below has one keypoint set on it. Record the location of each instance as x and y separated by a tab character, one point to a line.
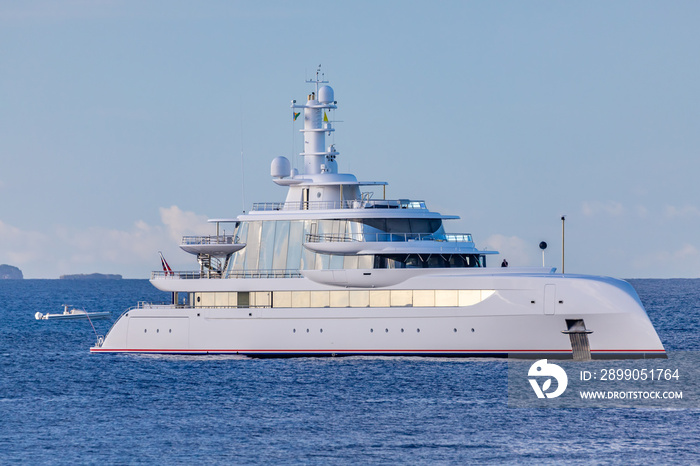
427	261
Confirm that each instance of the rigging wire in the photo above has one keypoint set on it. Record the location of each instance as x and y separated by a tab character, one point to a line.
242	165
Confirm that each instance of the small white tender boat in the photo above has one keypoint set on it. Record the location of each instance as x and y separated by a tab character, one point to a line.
71	314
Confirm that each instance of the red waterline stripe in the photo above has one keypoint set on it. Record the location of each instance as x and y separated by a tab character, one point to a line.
151	350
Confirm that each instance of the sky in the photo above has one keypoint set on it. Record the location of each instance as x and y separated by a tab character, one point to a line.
125	125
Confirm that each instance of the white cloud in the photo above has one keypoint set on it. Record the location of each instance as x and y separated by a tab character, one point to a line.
609	208
688	251
685	212
22	246
57	11
642	211
683	261
180	223
517	251
68	250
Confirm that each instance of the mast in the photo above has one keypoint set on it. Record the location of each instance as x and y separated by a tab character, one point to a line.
316	125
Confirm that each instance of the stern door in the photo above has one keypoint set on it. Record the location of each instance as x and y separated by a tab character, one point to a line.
550	296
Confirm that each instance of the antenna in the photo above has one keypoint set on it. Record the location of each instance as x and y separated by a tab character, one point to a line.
563	219
242	179
318	70
294	139
242	165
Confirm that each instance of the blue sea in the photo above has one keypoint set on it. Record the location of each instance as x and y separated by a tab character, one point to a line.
59	404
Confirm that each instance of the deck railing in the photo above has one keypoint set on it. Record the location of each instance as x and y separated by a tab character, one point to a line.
389	237
330	205
221	239
194	275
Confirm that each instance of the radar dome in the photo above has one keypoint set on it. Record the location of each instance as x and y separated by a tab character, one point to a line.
280	167
325	94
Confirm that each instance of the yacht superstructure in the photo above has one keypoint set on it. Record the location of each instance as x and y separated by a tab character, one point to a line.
333	270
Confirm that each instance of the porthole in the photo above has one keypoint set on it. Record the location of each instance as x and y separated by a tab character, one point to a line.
144	330
371	330
199	298
401	330
307	330
418	330
321	330
455	330
170	331
386	330
157	330
294	330
472	330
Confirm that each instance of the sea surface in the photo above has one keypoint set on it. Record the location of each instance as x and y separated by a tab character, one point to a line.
59	404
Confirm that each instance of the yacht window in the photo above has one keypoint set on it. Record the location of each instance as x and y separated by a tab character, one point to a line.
413	261
398	225
208	299
351	262
253	245
359	298
262	298
238	261
281	246
436	261
365	262
282	299
267	239
301	298
421	225
456	260
380	298
221	299
319	299
446	298
401	298
340	298
424	298
469	297
295	247
402	225
343	298
433	261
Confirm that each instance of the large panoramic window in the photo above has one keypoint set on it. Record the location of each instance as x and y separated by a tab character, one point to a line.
340	298
278	244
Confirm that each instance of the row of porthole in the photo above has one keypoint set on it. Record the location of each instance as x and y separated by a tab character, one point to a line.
157	330
386	330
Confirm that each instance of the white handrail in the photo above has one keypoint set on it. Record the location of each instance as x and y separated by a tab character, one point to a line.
389	237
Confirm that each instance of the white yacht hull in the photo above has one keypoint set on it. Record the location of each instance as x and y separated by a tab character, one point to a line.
373	277
516	320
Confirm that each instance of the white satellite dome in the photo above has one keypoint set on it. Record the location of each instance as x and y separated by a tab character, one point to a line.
325	94
280	167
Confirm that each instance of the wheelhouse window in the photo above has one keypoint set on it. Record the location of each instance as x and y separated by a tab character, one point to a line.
426	261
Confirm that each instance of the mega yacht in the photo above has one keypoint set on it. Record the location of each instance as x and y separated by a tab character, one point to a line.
337	269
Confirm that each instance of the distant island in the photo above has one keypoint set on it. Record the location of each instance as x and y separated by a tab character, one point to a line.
91	276
10	272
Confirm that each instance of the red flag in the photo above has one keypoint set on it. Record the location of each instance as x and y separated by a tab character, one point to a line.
166	267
